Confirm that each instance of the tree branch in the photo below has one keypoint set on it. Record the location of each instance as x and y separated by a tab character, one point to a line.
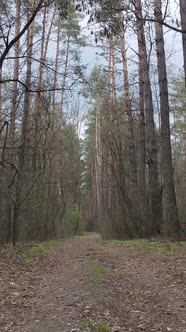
14	40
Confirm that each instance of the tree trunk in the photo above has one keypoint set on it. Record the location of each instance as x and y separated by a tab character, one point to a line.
128	110
1	119
183	26
53	162
170	205
25	134
64	80
37	103
1	149
98	162
154	185
11	138
142	143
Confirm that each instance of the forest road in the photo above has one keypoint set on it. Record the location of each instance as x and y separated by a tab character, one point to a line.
89	285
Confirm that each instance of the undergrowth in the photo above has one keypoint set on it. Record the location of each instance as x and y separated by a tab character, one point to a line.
94	326
143	244
42	248
96	273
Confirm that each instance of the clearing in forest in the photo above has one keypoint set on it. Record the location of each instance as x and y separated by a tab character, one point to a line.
85	284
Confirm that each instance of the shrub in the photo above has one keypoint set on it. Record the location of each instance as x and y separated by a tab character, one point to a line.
73	222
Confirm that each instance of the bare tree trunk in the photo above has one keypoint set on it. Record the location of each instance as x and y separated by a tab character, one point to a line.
111	96
154	185
170	205
11	138
37	103
43	54
142	143
128	109
1	118
98	162
113	71
64	80
1	149
183	26
56	68
53	163
25	135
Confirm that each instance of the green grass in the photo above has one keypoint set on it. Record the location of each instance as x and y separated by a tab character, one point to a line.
96	273
42	248
135	294
85	324
147	245
94	326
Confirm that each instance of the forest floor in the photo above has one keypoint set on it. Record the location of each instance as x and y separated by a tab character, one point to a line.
85	284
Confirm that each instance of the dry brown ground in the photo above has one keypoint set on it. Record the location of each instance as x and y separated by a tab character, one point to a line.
86	281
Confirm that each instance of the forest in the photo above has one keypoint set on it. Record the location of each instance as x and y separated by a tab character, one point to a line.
98	147
92	165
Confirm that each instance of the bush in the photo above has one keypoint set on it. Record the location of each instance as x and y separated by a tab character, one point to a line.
73	222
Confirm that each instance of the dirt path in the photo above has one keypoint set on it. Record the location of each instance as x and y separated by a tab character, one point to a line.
88	285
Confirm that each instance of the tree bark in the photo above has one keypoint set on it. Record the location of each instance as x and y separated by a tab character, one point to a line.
64	80
154	185
128	109
1	118
170	205
142	140
53	162
11	138
37	102
98	162
25	134
183	25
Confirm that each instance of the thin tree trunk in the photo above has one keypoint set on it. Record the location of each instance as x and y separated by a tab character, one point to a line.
142	143
128	109
37	102
53	144
11	139
64	80
113	71
43	54
154	185
25	135
170	205
1	117
183	26
56	68
1	149
111	98
98	163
